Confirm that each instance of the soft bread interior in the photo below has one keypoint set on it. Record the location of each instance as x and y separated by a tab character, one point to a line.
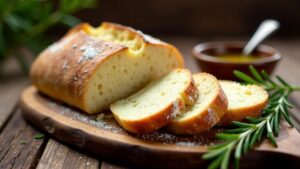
208	89
119	35
122	75
243	96
154	98
128	71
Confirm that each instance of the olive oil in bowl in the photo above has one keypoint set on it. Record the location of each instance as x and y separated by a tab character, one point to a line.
238	58
222	58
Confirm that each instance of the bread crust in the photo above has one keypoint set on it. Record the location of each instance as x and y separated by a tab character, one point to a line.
60	72
162	117
190	95
149	40
241	113
204	120
154	122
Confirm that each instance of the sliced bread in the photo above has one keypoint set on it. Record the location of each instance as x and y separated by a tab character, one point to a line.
155	105
207	110
91	68
244	101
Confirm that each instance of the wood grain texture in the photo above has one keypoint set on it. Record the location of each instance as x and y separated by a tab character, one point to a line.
108	165
58	156
10	90
123	147
18	149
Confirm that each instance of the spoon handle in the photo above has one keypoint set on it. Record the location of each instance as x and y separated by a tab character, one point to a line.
263	31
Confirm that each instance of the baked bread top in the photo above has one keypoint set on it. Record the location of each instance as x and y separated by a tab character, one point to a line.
90	68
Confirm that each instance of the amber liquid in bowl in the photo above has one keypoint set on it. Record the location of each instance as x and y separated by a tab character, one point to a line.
222	58
238	58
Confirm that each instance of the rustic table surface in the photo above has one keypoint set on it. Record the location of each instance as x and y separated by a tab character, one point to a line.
18	149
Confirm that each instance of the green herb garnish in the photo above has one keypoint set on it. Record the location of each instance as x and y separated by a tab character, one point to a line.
38	136
245	135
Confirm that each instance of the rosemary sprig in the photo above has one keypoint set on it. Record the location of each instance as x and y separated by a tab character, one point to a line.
245	135
38	136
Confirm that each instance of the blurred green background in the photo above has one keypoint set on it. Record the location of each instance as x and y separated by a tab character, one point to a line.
23	24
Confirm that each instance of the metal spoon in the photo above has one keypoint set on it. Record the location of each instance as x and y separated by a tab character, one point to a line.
263	31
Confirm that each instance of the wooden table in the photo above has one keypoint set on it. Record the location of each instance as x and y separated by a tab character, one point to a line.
18	149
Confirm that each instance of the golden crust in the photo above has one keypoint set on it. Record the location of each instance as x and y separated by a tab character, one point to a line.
203	120
62	70
162	117
149	40
242	113
190	95
239	114
154	122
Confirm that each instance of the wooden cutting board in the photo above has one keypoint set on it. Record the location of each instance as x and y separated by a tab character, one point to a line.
101	136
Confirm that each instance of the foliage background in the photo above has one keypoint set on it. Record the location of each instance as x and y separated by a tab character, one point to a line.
23	24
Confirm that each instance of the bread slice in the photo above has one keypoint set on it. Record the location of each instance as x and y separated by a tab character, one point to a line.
91	68
155	105
207	110
244	101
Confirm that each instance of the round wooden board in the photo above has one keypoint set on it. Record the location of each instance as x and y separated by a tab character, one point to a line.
101	135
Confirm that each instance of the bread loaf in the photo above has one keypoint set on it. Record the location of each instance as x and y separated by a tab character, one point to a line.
155	105
91	68
244	101
206	112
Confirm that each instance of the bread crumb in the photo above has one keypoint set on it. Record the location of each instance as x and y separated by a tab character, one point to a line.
100	117
103	123
186	144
